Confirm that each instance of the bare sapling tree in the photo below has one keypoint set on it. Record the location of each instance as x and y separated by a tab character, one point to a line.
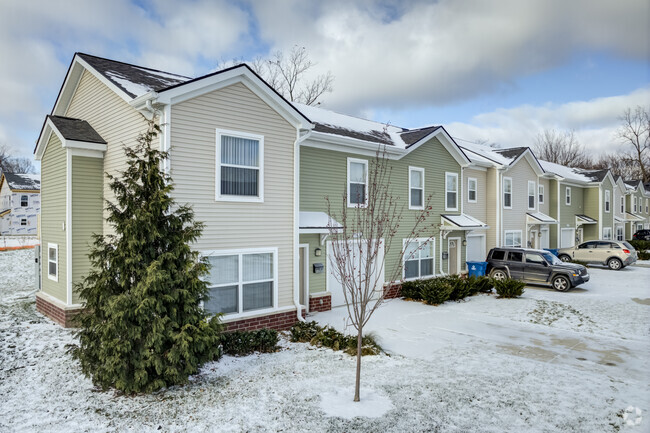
635	132
561	148
289	75
10	163
366	236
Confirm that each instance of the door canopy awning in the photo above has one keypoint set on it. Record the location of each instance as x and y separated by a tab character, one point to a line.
461	222
619	220
584	219
539	218
317	223
629	216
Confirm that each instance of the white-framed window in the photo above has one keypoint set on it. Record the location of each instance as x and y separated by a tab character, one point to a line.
24	201
634	203
540	193
607	233
53	262
567	196
472	194
451	189
240	166
418	258
531	194
507	192
416	188
623	204
242	281
619	233
608	199
646	205
357	182
512	238
23	221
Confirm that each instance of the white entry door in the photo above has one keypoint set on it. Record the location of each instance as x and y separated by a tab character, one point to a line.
335	287
567	238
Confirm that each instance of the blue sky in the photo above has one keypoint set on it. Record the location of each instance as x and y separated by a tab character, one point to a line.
496	71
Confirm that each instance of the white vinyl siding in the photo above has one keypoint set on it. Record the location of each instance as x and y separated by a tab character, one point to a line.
471	190
239	166
567	196
512	238
451	191
531	195
357	182
507	193
416	188
608	201
418	258
53	262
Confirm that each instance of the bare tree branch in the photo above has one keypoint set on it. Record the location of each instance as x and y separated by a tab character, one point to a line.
561	148
13	164
635	132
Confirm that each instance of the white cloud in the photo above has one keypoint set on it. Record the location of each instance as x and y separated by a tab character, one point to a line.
595	122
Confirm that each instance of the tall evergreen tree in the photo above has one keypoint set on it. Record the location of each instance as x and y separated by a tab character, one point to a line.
143	327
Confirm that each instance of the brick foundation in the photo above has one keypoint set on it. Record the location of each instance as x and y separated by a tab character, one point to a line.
280	322
392	291
320	303
59	314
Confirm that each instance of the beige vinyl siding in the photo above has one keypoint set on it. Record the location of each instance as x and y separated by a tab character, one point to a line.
236	225
86	213
53	213
592	195
492	206
478	209
115	120
324	173
317	282
515	218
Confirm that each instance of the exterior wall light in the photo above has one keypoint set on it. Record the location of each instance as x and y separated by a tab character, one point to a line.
318	252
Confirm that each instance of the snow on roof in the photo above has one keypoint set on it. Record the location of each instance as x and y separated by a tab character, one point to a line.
464	221
481	153
24	182
586	219
542	217
316	222
565	172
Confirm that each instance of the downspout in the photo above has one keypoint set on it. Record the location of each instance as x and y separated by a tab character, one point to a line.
296	225
440	255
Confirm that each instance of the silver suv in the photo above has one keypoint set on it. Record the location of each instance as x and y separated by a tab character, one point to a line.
615	254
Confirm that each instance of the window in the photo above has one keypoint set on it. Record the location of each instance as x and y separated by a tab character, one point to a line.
634	203
608	194
531	194
507	193
535	259
416	188
241	282
513	238
240	171
540	192
418	259
357	182
619	234
498	255
588	245
607	233
646	205
23	221
567	196
451	187
622	204
515	256
24	201
471	190
53	262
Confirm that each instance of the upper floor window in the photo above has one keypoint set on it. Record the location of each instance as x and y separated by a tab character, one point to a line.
451	188
416	188
567	196
471	190
357	182
622	204
507	193
540	193
607	200
531	194
646	205
240	166
24	201
634	203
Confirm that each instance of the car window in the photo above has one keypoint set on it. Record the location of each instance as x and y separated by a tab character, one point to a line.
552	258
615	245
604	245
515	256
498	255
587	245
628	245
534	258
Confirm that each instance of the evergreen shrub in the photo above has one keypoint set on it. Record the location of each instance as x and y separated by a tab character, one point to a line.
242	343
509	288
316	335
640	245
435	291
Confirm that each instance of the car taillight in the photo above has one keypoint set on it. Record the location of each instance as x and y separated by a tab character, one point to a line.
626	251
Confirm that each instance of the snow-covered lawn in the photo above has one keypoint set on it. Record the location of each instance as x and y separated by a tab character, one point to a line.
569	362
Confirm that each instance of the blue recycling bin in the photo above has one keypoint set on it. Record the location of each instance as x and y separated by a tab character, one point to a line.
553	251
476	269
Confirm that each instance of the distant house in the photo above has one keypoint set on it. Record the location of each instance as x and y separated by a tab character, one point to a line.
20	204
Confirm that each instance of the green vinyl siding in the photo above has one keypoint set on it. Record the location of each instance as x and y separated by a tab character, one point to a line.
607	218
53	214
317	282
324	173
591	199
552	197
87	188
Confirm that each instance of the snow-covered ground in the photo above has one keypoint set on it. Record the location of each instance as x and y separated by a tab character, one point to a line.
567	362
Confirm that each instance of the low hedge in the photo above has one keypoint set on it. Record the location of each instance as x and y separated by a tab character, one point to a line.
643	255
435	291
509	288
242	343
316	335
640	245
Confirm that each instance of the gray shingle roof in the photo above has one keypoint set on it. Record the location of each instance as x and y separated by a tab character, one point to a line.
25	182
512	152
76	129
595	175
374	136
413	136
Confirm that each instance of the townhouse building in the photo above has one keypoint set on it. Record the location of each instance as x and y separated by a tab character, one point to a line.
20	204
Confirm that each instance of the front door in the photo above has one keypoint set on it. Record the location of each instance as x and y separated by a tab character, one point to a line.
532	239
453	256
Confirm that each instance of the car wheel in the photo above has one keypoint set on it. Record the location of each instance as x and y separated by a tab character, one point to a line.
561	283
499	274
565	258
615	264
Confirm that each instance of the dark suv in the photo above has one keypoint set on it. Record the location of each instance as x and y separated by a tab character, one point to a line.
535	267
641	235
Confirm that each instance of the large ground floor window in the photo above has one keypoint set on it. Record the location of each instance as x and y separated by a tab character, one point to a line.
418	258
240	282
512	238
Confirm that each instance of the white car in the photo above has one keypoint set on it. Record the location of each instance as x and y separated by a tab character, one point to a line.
615	254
